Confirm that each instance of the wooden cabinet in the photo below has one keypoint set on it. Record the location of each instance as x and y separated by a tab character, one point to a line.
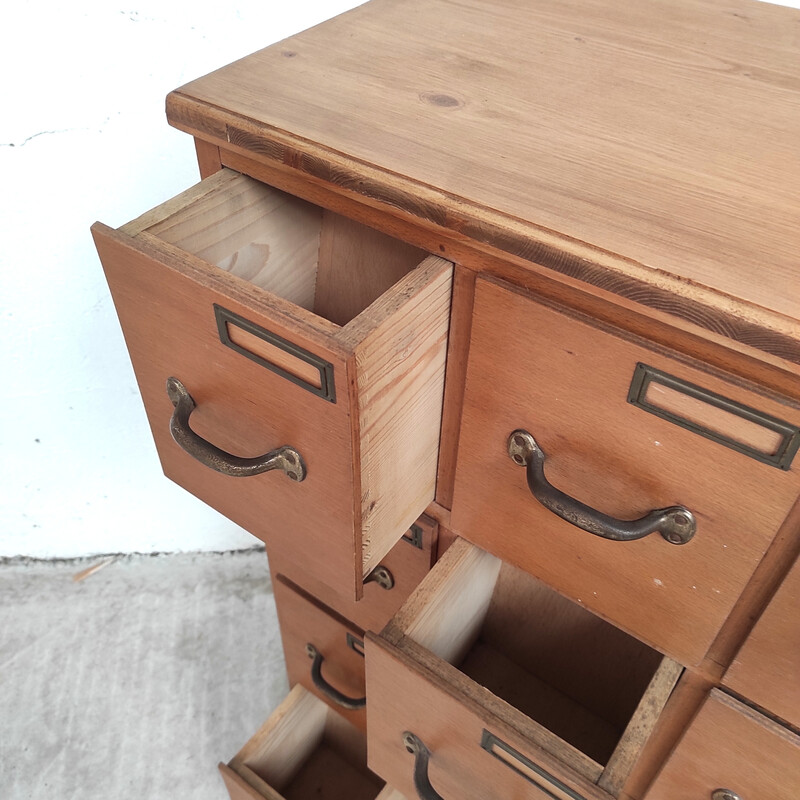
528	268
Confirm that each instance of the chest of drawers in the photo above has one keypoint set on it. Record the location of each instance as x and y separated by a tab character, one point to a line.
530	269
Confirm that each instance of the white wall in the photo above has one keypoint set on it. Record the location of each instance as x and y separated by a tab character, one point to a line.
83	137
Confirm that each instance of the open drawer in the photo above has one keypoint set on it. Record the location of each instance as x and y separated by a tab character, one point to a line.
499	687
305	359
304	750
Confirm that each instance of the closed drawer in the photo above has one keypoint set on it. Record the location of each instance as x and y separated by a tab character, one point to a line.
287	326
685	439
323	652
304	750
511	689
731	752
767	668
385	589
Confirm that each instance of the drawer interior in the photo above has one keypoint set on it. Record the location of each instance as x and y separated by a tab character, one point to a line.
580	678
323	262
307	750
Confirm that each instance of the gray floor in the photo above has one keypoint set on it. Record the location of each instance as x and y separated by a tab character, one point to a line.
135	681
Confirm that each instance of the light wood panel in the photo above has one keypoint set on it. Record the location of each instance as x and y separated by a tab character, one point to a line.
730	746
767	669
642	148
303	750
399	371
566	380
357	265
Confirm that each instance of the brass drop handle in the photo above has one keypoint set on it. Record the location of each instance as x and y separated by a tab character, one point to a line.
285	458
676	524
422	756
725	794
350	703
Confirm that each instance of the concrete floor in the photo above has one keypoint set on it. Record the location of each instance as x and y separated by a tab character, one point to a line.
135	681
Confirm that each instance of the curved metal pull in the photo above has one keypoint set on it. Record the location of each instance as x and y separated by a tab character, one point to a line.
676	523
284	458
421	758
350	703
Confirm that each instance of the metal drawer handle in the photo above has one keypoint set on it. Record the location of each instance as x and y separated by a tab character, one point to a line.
725	794
421	757
284	458
676	524
350	703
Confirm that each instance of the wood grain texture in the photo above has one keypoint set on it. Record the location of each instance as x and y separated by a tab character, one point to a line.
699	333
403	692
566	381
767	669
253	250
407	564
304	621
303	750
652	153
275	753
400	367
357	265
733	747
580	689
208	158
641	726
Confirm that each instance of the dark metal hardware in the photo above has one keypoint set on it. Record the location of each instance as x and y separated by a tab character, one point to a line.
725	794
350	703
285	458
381	576
326	389
414	536
676	524
422	756
784	453
522	765
356	645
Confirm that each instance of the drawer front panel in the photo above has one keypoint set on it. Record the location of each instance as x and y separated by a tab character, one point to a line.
730	746
166	310
407	563
472	755
567	382
324	653
767	668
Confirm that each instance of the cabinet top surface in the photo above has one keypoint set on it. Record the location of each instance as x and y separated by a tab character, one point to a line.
659	138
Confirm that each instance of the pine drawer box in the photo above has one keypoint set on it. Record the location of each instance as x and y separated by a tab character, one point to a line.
625	430
304	750
502	688
266	332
